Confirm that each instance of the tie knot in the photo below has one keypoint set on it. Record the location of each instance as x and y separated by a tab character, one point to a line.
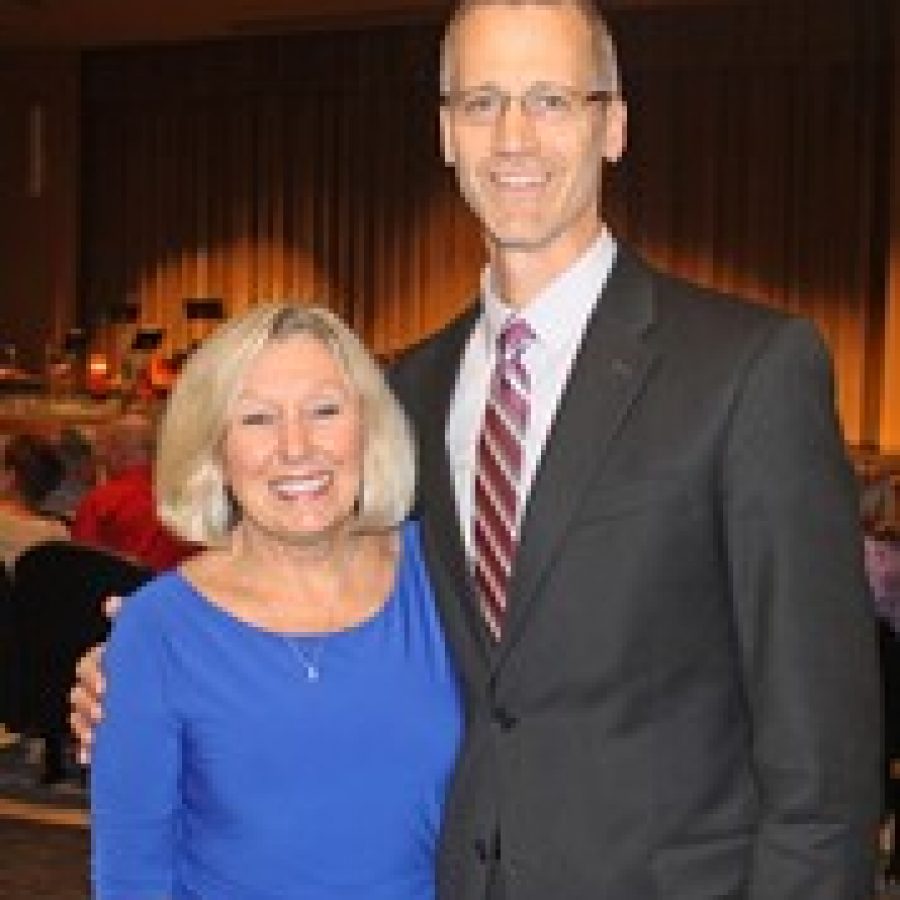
515	336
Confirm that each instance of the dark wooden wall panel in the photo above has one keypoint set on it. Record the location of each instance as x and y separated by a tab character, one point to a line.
38	231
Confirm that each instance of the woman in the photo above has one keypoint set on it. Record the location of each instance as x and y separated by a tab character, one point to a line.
282	715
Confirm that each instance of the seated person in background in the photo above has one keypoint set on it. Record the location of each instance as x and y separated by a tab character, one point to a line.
79	461
882	562
882	556
876	500
31	470
881	525
282	715
120	514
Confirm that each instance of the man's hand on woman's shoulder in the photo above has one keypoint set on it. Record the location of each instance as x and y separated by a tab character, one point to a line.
86	696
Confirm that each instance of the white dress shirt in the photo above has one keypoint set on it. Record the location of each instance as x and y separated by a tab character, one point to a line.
558	315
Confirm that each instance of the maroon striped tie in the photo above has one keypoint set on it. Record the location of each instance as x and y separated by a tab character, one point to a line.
498	471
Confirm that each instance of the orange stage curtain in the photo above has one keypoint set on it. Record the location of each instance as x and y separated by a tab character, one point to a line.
307	166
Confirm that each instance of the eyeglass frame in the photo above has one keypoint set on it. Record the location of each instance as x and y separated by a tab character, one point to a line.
450	100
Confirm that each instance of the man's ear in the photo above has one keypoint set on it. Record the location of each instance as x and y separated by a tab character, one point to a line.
615	130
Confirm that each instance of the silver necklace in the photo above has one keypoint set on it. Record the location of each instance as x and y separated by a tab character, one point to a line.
310	662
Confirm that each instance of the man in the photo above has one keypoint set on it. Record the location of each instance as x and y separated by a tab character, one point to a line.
76	452
682	701
29	471
120	514
641	526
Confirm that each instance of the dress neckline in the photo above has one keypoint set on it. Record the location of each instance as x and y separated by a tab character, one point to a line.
363	624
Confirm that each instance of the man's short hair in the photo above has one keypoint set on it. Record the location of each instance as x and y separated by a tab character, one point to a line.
606	58
192	496
36	465
74	447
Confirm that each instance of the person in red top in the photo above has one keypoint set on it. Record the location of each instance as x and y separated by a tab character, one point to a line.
120	514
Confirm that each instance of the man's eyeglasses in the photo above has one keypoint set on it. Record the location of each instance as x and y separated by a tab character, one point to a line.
552	104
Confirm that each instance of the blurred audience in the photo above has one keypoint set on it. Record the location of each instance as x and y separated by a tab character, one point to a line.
32	469
878	504
120	514
883	570
881	524
879	509
76	451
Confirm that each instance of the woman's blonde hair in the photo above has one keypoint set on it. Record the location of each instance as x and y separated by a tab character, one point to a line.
192	493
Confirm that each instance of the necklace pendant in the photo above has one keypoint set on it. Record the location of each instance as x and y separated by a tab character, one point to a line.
308	662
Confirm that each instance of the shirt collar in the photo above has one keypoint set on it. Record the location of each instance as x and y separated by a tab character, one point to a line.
563	306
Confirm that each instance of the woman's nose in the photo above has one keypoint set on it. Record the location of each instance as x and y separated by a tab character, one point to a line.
295	438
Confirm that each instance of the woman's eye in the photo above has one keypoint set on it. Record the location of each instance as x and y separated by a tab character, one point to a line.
256	418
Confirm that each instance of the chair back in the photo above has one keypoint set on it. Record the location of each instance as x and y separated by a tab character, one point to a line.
7	647
58	592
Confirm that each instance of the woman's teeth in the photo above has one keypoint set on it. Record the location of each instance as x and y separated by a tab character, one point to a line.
297	487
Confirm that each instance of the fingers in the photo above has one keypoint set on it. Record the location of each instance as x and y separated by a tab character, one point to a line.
85	709
83	715
89	674
111	606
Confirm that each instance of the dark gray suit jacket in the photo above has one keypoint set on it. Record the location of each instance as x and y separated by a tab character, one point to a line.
684	704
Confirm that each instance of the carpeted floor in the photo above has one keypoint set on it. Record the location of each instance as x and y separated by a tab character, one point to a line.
43	862
43	829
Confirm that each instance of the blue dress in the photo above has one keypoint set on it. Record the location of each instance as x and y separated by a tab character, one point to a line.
223	772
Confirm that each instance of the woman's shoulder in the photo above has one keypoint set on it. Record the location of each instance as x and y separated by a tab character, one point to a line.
155	602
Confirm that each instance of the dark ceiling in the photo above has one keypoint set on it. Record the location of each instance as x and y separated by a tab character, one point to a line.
97	23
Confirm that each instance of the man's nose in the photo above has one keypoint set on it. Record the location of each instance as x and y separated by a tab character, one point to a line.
514	129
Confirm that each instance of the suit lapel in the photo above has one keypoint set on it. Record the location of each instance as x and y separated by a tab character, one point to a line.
442	532
609	372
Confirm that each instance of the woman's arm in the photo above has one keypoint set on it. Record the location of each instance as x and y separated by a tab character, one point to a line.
135	773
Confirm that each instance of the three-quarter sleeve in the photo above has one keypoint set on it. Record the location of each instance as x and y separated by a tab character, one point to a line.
135	771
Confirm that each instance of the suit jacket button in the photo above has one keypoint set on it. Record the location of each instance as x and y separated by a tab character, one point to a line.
504	720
